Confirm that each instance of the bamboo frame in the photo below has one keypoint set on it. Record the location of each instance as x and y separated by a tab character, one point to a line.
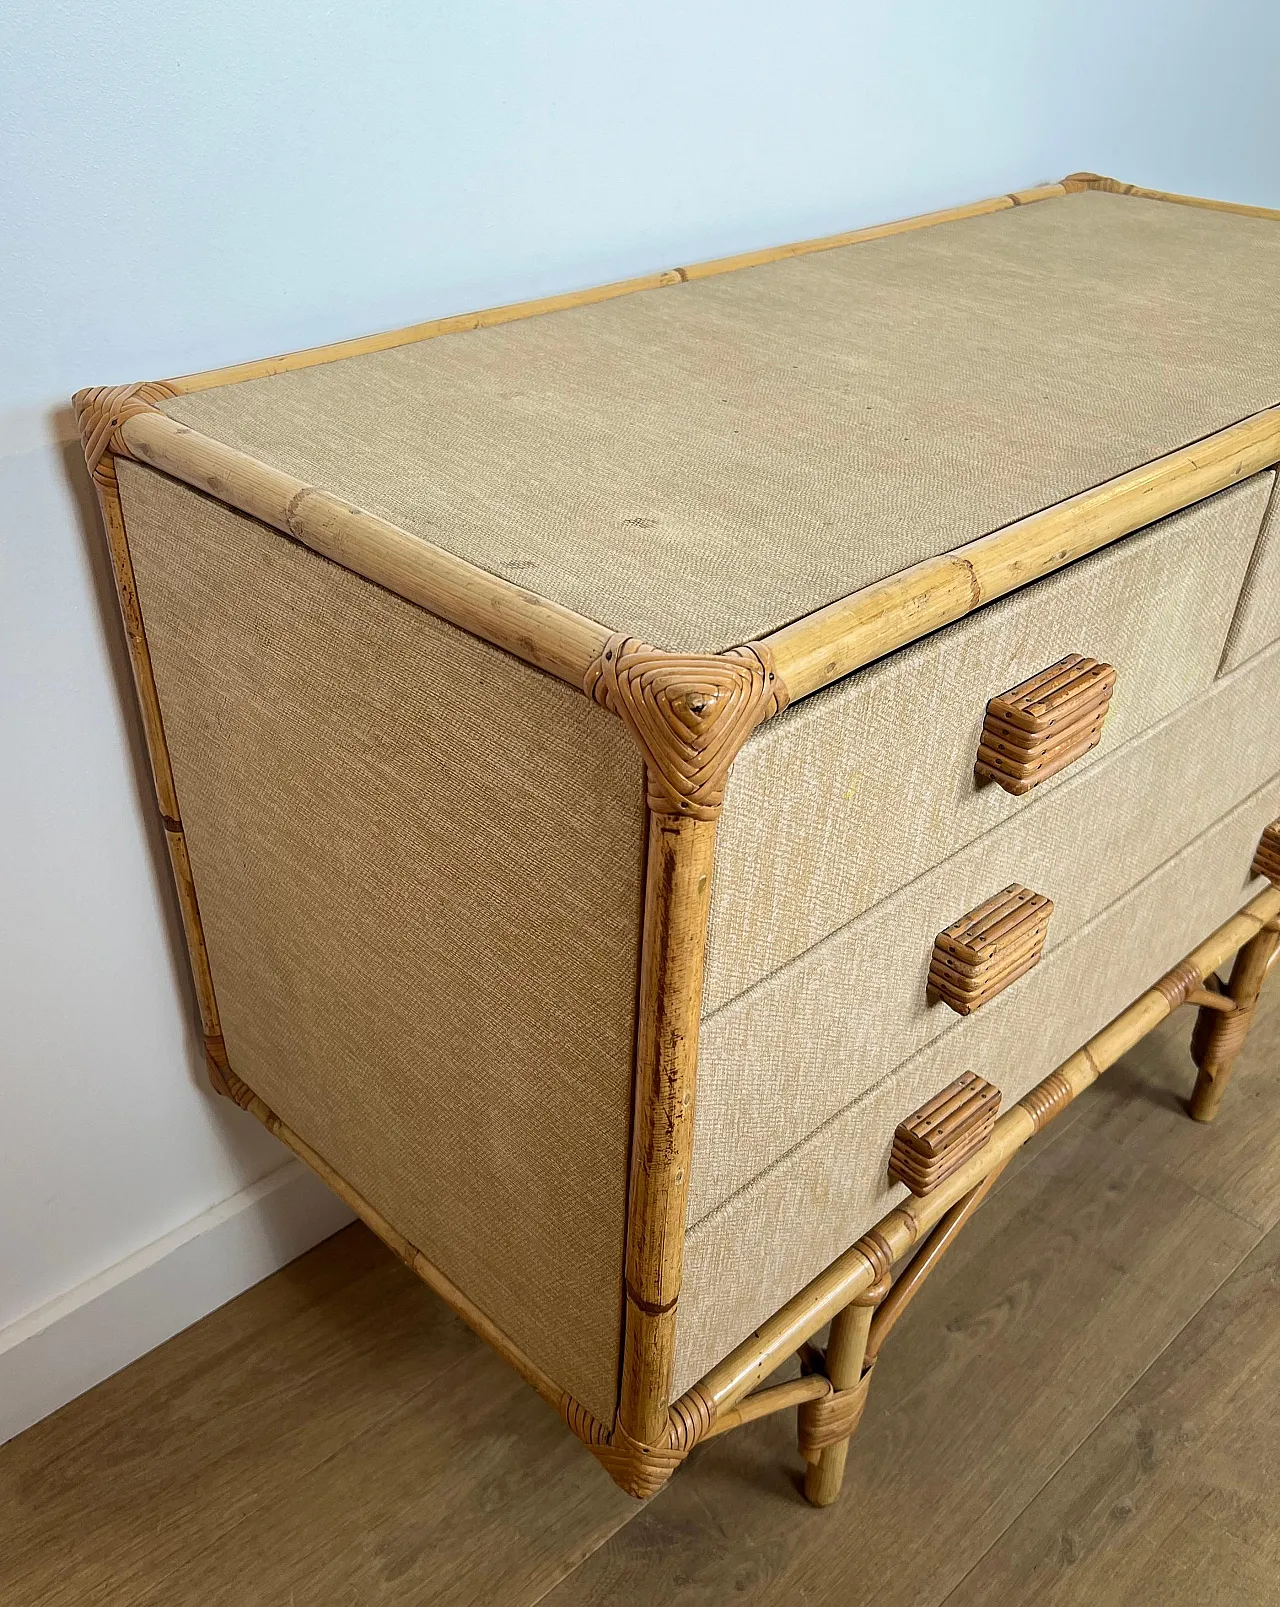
166	794
1220	1033
689	715
677	900
395	1241
512	312
1075	182
542	633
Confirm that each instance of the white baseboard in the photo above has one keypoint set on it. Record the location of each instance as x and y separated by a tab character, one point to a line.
53	1354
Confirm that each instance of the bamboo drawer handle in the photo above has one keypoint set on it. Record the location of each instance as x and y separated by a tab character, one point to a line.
984	951
1266	862
1042	725
942	1134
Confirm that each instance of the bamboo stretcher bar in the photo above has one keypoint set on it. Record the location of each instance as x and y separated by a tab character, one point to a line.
764	1402
541	633
854	630
747	1366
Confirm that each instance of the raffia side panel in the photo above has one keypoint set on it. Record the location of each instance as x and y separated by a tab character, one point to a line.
419	865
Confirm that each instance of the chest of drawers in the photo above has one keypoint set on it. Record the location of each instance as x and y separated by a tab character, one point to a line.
670	786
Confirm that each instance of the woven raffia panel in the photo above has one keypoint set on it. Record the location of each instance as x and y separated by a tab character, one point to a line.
700	464
419	865
747	1255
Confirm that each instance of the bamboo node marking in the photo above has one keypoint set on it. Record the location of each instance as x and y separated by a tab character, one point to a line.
690	714
877	1251
1046	1099
220	1074
1175	985
831	1418
689	1419
875	1294
102	409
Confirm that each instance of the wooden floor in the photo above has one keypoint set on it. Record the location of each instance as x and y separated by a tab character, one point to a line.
1082	1407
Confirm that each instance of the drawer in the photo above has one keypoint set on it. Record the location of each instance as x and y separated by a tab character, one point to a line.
788	1053
754	1252
855	791
1257	621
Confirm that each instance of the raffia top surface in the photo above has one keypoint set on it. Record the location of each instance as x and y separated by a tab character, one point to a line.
699	465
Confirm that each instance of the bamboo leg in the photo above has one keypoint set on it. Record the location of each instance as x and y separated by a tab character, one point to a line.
679	875
845	1351
1218	1038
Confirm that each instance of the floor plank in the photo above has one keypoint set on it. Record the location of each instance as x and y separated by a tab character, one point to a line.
117	1486
1141	1104
475	1493
342	1369
1061	1292
1174	1500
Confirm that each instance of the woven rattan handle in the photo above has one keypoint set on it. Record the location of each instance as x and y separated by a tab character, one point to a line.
984	951
1266	862
933	1142
1042	725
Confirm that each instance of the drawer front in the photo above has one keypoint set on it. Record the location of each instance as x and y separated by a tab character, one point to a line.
1257	621
756	1250
857	790
785	1056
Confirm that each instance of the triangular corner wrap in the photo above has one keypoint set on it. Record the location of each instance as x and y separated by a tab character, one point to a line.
102	409
690	714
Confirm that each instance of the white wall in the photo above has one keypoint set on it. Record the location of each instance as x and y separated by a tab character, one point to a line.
188	185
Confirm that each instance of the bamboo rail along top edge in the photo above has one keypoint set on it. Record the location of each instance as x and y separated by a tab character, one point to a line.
831	448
